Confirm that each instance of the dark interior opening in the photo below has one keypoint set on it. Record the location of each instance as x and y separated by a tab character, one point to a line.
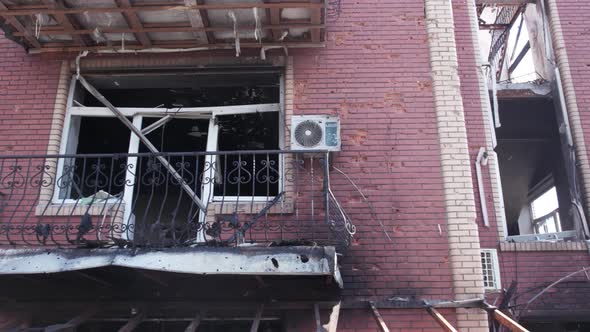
172	90
531	161
92	174
252	174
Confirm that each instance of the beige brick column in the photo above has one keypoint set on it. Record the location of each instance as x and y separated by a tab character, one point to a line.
486	109
463	236
57	123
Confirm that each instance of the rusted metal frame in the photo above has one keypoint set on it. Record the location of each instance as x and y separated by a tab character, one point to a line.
133	22
144	140
493	26
206	23
16	11
441	320
274	15
192	47
194	324
506	40
256	321
176	27
133	322
67	22
13	21
378	318
521	55
503	319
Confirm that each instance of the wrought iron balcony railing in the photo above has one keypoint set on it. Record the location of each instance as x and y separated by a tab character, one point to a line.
136	200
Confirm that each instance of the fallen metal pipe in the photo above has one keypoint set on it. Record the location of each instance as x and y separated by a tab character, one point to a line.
482	159
495	96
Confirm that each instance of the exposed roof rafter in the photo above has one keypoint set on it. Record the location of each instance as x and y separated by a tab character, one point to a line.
203	27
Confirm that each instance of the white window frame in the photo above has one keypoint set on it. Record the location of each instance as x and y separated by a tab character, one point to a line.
495	269
69	139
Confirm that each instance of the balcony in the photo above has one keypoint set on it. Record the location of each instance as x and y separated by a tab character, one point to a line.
170	200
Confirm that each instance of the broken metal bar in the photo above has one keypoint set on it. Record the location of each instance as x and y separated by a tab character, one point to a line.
493	26
441	320
520	56
144	140
378	318
256	321
74	322
156	125
517	36
133	322
192	327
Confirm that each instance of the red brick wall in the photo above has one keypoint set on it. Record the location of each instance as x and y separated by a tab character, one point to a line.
574	15
27	93
534	271
374	73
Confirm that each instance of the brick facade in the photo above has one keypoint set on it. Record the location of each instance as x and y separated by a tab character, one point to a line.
405	79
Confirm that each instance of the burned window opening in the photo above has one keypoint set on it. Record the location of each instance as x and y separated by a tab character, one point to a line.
514	42
531	163
157	193
187	97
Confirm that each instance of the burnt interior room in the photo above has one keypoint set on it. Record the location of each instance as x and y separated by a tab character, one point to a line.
185	89
531	161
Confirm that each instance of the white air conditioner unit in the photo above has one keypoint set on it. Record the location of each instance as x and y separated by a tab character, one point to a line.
315	132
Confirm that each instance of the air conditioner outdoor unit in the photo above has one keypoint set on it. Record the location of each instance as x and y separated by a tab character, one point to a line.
315	132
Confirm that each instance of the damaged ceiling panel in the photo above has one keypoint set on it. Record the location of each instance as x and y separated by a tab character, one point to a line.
116	25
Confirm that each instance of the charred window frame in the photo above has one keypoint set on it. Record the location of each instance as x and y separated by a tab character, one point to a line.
272	113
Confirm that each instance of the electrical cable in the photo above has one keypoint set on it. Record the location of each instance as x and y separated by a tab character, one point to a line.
369	204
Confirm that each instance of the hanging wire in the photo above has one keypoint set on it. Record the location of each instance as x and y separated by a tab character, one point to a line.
373	212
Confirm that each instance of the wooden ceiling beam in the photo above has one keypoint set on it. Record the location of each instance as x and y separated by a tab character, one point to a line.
17	11
32	40
199	20
68	22
134	22
441	320
133	322
316	18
